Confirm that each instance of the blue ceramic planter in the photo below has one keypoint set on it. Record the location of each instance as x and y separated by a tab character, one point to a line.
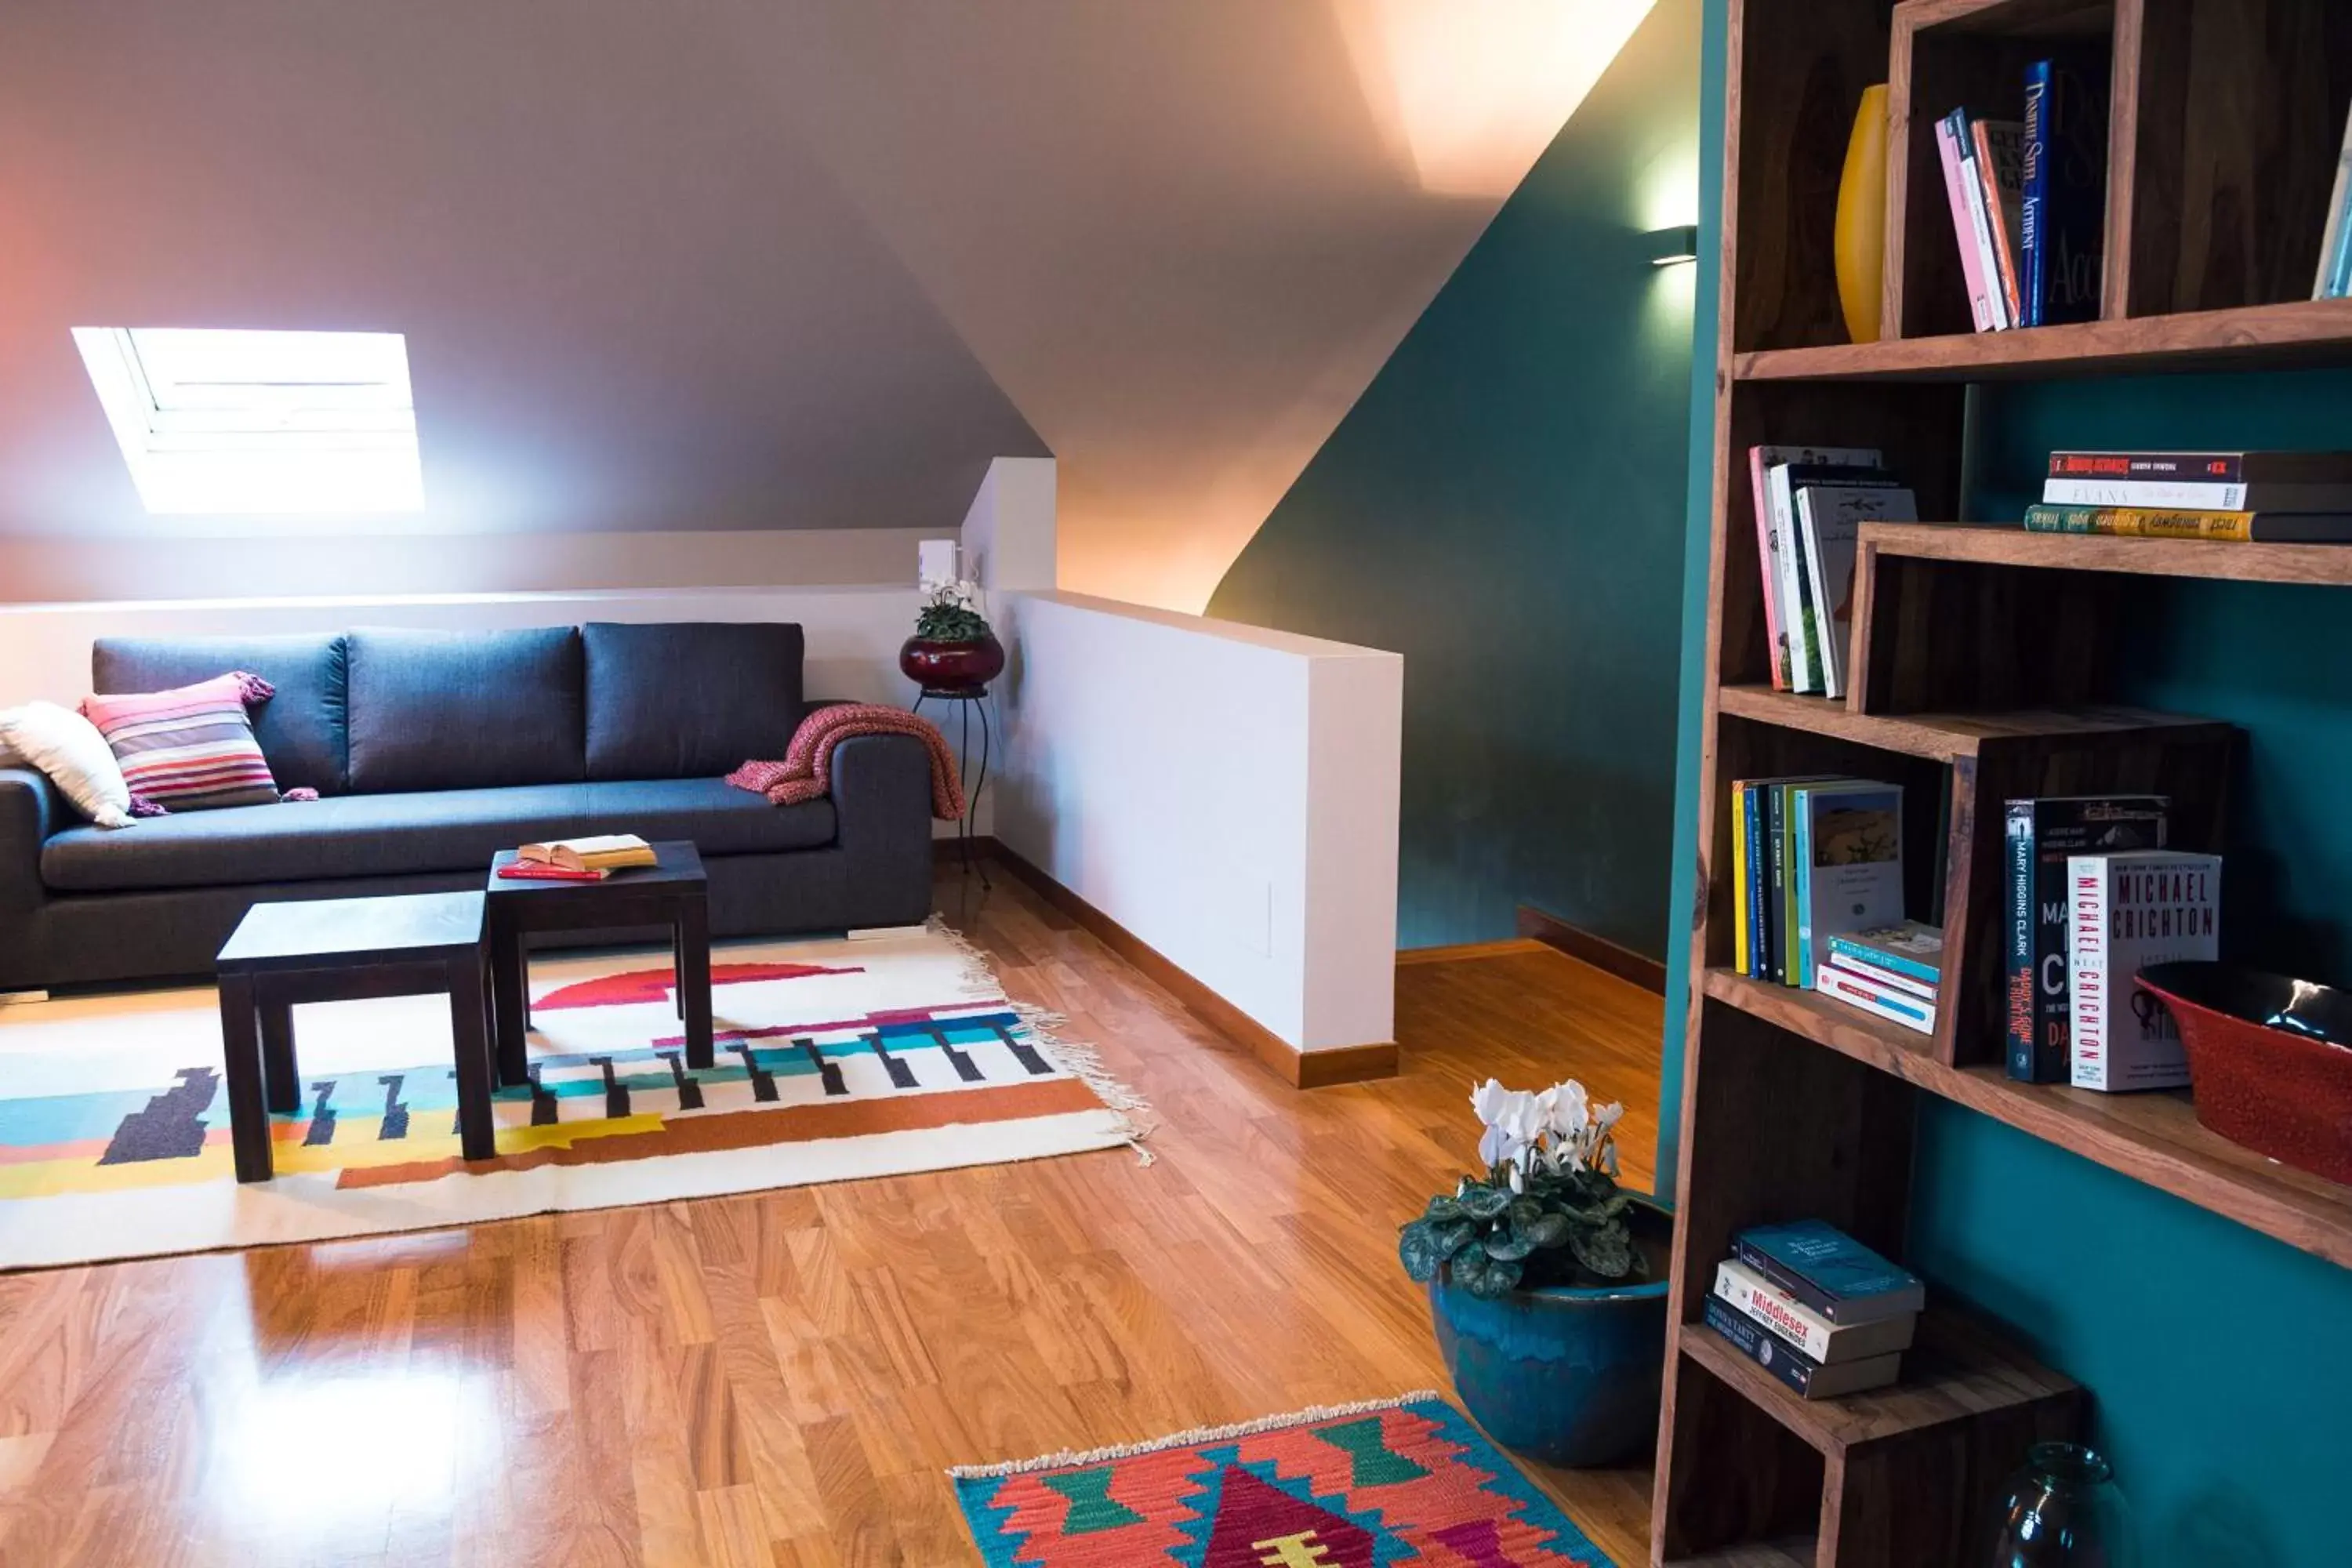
1567	1374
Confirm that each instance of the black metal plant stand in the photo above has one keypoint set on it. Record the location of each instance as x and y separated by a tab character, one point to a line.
968	699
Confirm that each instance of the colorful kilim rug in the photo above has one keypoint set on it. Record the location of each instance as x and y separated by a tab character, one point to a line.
1384	1485
834	1059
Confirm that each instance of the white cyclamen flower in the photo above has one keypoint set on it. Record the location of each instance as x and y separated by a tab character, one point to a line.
1497	1147
1487	1100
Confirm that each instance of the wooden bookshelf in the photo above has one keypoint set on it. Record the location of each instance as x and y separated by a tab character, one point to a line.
1980	671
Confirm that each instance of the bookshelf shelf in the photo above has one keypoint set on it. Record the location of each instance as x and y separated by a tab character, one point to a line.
1957	1371
1796	1552
1994	544
1945	737
2152	1138
2299	333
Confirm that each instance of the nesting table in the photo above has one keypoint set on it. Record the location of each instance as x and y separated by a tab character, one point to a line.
346	950
673	893
471	945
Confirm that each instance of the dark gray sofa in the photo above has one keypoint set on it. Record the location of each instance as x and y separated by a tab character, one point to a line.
432	751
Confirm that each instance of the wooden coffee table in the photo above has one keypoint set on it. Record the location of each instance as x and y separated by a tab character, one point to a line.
674	893
346	950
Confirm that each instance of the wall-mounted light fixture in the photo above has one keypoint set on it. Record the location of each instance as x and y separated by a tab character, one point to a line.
1672	246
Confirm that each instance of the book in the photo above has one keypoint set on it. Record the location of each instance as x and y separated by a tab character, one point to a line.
2187	495
1753	1296
1806	1377
2001	165
608	852
1828	521
1980	222
1905	948
1739	954
542	871
1848	854
2130	910
2334	273
1781	481
1830	1272
1761	461
2205	468
2221	527
1947	149
2040	834
1906	988
1760	934
1880	998
2064	206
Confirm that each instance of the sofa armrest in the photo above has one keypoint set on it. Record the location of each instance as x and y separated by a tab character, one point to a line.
882	802
29	812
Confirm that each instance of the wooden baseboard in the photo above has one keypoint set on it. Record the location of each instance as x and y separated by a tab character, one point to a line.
1301	1070
946	851
1461	950
1597	951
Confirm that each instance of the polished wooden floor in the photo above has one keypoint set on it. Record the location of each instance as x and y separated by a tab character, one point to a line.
781	1378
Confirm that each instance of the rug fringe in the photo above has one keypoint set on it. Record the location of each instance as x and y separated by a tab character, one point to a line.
1136	1118
1182	1439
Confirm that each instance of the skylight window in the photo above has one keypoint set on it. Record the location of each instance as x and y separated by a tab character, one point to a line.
217	421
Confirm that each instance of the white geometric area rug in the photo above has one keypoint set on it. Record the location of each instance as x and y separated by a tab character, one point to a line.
835	1060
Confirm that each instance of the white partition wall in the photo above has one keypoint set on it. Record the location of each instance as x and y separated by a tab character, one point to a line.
1226	793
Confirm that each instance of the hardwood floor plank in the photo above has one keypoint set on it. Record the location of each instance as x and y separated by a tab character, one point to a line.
782	1377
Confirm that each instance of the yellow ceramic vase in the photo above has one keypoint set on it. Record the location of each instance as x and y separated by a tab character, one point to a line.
1861	247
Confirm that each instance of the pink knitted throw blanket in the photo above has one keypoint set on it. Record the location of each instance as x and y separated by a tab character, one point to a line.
807	768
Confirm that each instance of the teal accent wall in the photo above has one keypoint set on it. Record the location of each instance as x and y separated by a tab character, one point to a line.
1505	506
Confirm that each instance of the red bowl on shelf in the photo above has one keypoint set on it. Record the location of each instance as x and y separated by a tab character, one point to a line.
2270	1059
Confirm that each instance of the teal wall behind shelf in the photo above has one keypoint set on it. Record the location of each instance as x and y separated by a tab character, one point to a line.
2218	1359
2217	1356
1505	506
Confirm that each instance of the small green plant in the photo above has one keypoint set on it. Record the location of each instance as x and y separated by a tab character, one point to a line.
952	615
1548	1210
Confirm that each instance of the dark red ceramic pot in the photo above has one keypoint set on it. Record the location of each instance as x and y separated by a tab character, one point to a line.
951	666
2270	1060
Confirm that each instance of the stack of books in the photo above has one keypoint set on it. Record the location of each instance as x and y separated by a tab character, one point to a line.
2093	898
1810	502
1815	1307
579	859
1812	859
2029	198
2270	498
1893	971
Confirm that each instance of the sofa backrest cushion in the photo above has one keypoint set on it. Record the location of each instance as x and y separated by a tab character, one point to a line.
301	730
433	709
689	699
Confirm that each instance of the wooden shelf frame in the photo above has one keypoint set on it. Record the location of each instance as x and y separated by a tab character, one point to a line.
1982	670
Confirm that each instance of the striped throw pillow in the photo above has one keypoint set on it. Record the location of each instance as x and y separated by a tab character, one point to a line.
190	749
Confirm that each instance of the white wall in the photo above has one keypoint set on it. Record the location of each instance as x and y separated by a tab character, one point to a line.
1229	795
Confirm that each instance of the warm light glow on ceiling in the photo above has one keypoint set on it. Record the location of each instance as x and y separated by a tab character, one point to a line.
1471	91
259	422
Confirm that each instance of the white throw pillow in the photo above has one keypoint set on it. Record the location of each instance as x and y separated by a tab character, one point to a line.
69	750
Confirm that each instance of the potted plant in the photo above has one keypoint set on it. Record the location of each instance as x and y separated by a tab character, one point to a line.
1548	1281
952	652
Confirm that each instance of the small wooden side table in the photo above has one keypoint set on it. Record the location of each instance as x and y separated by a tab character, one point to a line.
347	950
673	893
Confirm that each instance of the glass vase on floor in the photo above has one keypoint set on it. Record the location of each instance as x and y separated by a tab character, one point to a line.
2064	1510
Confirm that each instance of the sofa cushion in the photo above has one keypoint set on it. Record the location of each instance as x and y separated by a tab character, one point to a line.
446	710
420	831
688	699
300	728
